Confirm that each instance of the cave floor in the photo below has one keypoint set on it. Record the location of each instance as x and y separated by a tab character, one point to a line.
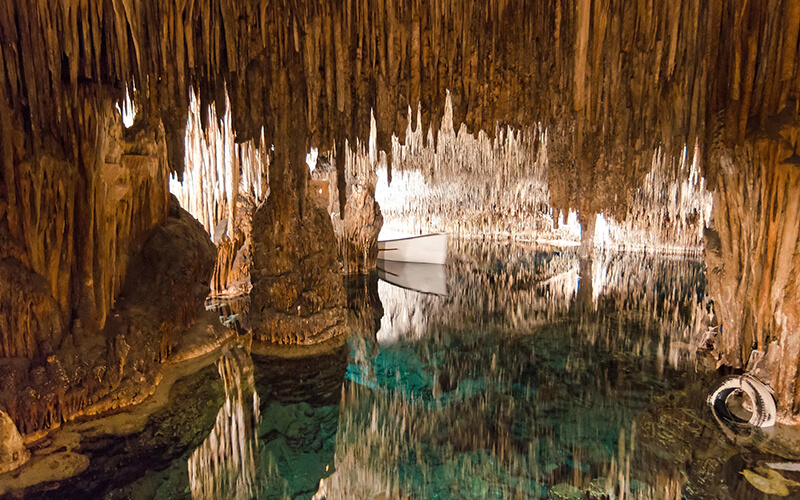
536	375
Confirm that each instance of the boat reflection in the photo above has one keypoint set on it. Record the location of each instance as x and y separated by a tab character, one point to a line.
418	277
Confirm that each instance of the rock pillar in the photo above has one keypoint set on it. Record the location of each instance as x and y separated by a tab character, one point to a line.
753	259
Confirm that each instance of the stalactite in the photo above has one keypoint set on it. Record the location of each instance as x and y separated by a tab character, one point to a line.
374	63
607	84
218	168
448	187
357	225
221	177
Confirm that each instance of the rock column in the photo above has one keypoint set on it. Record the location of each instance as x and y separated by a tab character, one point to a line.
753	259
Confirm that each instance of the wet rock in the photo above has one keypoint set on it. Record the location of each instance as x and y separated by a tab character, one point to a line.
30	317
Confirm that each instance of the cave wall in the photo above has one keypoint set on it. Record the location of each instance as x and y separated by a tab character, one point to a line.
71	224
753	258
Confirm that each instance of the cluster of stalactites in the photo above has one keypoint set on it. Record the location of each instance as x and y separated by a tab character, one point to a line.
447	182
218	169
669	211
626	76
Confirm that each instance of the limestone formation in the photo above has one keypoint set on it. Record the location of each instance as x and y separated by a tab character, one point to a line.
92	371
753	257
298	295
12	450
357	225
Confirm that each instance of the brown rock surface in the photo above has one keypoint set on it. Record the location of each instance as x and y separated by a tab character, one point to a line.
358	225
753	258
92	371
297	296
234	251
30	320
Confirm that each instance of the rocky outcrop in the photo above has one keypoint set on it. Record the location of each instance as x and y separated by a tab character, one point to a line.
171	273
12	450
297	295
93	371
30	319
68	227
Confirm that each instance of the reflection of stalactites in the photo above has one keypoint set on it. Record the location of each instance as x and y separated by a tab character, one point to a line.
224	466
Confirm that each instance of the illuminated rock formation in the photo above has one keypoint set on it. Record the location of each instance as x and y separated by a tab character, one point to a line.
298	295
753	258
163	294
12	450
357	225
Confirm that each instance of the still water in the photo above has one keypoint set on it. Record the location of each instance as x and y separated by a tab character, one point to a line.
521	373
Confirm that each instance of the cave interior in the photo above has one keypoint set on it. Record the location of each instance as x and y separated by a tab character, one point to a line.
154	151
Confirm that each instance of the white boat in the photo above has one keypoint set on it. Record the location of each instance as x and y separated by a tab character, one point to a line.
425	278
426	249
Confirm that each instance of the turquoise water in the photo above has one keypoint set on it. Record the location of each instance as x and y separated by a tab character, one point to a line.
536	375
520	383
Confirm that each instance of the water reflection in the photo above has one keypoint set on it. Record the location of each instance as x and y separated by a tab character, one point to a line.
513	288
301	401
224	465
525	381
537	375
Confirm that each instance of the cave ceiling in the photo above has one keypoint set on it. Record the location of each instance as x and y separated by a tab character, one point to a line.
612	79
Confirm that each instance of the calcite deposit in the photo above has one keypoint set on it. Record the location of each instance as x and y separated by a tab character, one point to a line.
89	371
753	258
12	449
298	295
